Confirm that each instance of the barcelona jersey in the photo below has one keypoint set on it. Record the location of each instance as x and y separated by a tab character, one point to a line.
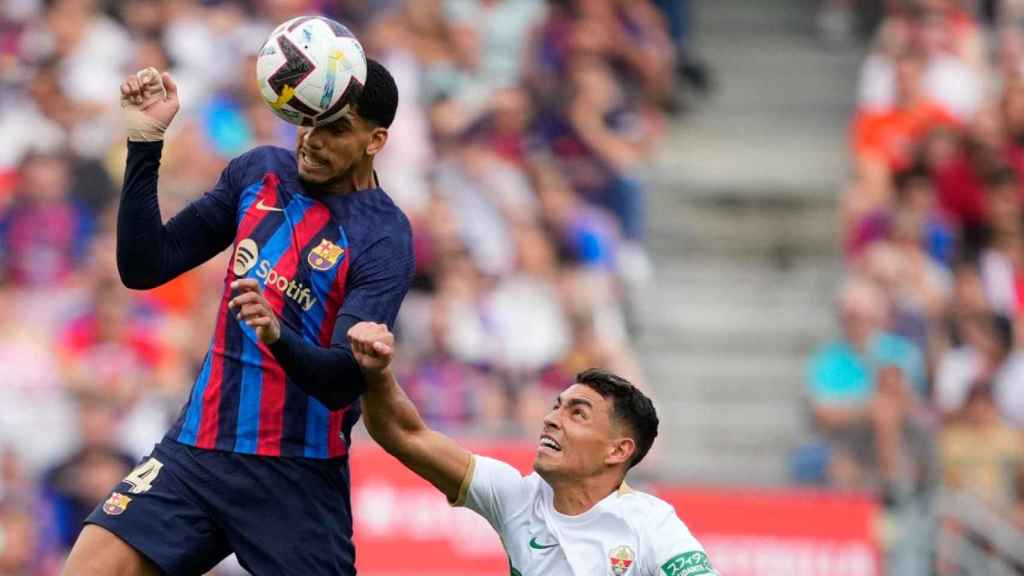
317	259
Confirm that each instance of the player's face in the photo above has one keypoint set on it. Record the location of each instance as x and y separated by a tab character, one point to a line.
577	435
326	154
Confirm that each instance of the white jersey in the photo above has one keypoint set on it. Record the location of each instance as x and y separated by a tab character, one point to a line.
628	533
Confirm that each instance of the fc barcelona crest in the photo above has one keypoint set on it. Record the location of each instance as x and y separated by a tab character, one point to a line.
621	558
324	256
116	504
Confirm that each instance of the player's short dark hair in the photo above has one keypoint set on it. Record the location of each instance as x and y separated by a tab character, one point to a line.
378	101
630	407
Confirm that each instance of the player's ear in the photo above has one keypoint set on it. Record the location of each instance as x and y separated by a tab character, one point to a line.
620	450
378	138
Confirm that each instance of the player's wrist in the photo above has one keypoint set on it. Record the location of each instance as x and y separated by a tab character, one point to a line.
377	376
143	128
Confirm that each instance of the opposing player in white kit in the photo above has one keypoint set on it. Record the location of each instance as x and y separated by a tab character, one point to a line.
574	515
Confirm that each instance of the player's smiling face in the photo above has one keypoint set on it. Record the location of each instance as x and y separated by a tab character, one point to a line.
328	154
578	436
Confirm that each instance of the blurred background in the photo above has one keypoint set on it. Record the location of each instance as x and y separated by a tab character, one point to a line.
798	223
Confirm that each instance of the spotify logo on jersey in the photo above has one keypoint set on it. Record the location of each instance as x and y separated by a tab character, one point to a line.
246	255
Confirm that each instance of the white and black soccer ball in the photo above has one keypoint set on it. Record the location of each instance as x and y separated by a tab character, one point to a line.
310	69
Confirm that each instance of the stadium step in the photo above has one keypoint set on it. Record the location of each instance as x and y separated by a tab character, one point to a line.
732	223
719	379
718	306
742	235
781	95
710	467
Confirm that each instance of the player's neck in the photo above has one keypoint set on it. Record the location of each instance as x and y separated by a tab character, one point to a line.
360	178
574	497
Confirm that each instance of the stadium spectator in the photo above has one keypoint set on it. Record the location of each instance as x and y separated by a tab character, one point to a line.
527	315
409	155
883	140
109	344
450	393
583	234
490	37
20	555
1012	112
74	486
114	349
916	287
91	50
902	470
40	117
44	234
987	352
840	378
904	452
959	164
914	205
911	244
981	454
1001	255
964	306
842	383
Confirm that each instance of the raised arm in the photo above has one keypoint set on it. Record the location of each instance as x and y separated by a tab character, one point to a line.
149	252
395	424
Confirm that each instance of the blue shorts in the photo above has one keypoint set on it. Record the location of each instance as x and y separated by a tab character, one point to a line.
186	509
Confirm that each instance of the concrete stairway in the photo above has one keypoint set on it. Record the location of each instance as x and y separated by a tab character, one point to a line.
742	233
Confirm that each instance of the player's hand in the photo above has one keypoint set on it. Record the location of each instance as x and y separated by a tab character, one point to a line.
373	346
149	101
253	309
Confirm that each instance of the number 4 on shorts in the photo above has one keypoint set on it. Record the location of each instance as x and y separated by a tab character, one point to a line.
142	477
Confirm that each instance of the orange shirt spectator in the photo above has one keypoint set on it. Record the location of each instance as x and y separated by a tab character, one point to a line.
890	136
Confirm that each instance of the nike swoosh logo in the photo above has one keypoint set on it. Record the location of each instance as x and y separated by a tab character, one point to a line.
261	206
538	546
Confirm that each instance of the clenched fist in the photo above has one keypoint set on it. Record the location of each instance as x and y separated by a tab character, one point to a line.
373	346
149	101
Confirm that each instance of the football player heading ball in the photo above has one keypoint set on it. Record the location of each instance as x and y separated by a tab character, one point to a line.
256	464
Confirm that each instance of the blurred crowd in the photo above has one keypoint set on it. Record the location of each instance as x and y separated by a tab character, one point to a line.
518	153
924	387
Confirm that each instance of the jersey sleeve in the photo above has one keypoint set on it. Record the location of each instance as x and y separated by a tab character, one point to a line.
219	206
492	489
379	280
673	549
149	252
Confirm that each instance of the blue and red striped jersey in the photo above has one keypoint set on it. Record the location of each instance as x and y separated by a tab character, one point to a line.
316	259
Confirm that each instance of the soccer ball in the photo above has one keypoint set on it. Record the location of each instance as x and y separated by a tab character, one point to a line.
310	69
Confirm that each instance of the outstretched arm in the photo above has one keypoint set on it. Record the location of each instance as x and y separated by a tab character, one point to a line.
393	421
151	253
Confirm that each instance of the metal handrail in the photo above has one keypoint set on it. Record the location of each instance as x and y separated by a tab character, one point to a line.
978	518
